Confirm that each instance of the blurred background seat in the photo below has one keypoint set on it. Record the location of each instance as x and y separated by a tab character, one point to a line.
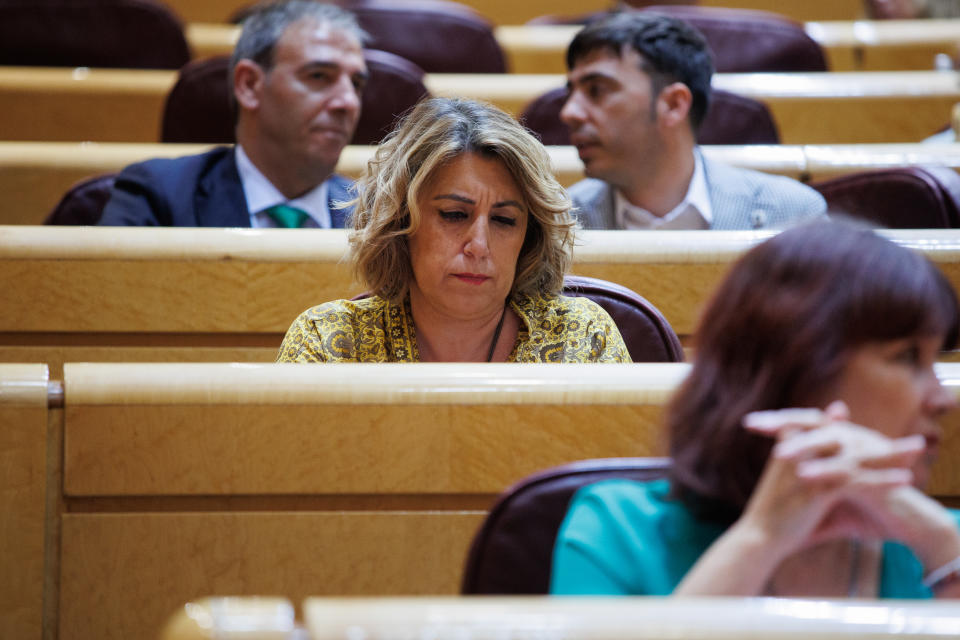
199	108
512	552
731	119
436	35
136	34
742	40
916	197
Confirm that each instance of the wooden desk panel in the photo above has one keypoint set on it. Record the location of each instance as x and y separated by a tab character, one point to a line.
23	497
861	45
35	175
210	286
123	573
117	105
128	560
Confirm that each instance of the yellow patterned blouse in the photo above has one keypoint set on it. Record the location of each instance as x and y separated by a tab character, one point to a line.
552	329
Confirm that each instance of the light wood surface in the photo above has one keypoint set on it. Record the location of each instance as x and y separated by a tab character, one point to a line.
238	290
125	106
23	486
643	618
35	175
124	573
389	429
849	45
181	481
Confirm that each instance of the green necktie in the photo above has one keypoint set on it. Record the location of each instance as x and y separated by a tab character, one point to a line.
287	217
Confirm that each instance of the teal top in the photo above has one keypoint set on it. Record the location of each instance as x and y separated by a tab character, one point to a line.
629	538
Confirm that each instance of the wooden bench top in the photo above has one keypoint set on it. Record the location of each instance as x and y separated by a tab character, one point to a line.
258	281
850	45
110	105
35	175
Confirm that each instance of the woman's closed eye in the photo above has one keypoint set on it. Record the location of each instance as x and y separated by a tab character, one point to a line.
507	221
453	215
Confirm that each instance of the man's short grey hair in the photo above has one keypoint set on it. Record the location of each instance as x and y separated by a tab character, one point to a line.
263	27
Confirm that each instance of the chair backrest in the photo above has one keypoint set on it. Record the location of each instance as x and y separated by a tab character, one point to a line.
83	204
647	334
199	109
511	553
137	34
918	197
742	40
437	36
731	119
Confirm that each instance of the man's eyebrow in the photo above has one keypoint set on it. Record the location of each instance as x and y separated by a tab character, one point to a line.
590	77
465	200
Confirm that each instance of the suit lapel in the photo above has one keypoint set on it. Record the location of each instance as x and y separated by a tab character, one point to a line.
219	199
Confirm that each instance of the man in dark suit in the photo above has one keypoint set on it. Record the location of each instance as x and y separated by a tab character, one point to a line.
298	73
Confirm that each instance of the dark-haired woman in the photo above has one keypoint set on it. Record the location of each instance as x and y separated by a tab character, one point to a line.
800	440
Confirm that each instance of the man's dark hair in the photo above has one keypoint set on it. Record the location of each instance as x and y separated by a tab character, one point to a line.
266	23
672	51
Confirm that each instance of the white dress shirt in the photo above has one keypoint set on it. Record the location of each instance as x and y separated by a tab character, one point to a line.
693	212
261	195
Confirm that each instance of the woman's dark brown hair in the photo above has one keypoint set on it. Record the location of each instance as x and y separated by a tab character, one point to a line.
777	333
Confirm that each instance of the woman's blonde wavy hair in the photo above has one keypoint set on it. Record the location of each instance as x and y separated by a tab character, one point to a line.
433	133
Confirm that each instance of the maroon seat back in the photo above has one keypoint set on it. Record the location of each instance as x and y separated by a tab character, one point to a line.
135	34
647	334
199	108
900	198
741	40
437	36
83	204
731	119
511	553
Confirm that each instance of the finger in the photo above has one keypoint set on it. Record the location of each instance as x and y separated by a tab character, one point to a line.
810	444
774	423
837	411
903	452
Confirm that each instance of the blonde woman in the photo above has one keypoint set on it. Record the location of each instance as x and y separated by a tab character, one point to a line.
463	236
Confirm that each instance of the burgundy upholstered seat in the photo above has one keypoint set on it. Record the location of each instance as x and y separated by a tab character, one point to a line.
511	553
199	109
437	36
916	197
731	119
136	34
741	40
83	203
647	334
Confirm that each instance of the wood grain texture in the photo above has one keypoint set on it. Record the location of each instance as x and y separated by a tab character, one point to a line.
23	485
242	442
221	281
643	618
35	175
843	107
123	574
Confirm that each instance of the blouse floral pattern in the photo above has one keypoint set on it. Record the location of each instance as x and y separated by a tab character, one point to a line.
552	329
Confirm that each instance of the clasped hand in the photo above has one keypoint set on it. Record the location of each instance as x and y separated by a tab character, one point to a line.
828	478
